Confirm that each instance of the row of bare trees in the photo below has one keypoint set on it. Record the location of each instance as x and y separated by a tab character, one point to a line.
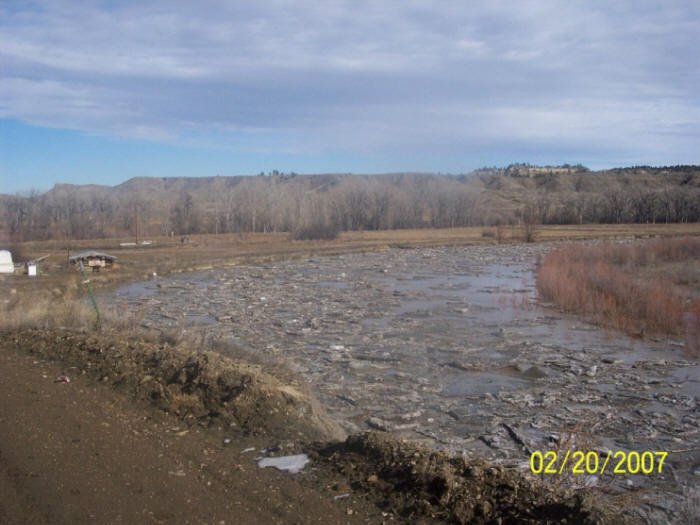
674	205
320	206
343	203
38	217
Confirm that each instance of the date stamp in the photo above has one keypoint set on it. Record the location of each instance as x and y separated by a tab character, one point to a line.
592	462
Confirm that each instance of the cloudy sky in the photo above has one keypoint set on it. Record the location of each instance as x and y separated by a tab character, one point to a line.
101	91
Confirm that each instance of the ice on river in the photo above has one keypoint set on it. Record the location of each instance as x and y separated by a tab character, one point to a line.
444	346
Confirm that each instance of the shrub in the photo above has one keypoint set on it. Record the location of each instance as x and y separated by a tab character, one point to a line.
601	283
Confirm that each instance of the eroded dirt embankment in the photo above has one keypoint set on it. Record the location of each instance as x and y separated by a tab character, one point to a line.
198	386
408	483
83	452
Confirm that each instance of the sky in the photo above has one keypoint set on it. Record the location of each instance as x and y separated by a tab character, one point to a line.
97	92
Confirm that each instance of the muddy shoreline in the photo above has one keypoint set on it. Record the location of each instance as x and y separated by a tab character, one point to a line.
447	347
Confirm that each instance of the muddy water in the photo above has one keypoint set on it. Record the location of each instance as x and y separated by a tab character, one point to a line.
448	346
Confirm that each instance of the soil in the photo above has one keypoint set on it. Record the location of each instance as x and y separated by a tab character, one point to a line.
427	484
81	452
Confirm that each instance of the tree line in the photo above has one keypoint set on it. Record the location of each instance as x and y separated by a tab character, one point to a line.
319	206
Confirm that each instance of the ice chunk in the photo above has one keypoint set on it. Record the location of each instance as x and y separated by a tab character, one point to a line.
293	464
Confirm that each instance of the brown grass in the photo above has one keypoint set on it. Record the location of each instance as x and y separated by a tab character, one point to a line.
628	287
74	311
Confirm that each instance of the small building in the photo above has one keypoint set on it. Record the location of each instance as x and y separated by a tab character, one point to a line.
6	264
92	259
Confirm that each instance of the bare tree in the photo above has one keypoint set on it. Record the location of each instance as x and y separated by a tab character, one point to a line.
617	206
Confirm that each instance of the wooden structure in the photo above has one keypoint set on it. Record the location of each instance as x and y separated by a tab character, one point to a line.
92	259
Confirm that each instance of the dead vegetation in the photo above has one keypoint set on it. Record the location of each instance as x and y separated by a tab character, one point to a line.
642	288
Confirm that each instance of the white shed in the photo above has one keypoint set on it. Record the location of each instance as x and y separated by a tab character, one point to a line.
6	264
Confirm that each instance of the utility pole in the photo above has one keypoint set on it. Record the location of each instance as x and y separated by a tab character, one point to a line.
136	223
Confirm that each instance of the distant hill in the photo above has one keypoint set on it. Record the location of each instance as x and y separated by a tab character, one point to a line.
291	202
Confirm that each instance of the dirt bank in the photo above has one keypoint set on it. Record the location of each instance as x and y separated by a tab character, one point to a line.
424	483
82	452
75	450
199	387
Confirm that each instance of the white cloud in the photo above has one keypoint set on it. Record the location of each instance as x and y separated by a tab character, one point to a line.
358	75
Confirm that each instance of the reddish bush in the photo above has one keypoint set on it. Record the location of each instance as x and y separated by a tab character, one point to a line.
602	283
692	332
